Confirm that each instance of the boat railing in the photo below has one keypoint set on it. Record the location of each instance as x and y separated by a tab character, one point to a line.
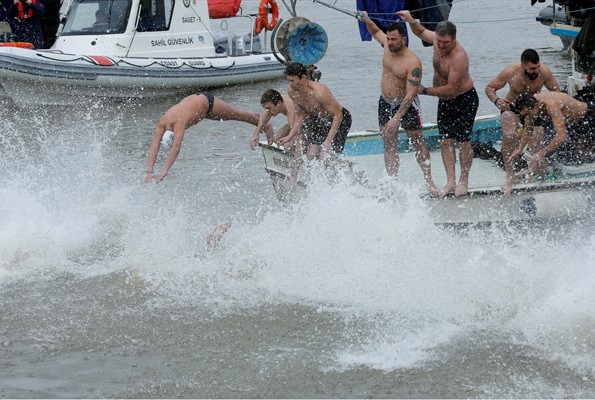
242	41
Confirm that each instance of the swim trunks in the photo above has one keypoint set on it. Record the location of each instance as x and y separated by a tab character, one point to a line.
585	129
210	99
456	116
387	109
317	130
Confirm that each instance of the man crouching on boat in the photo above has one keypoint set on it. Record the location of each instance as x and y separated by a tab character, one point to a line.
526	77
274	103
319	115
188	112
573	122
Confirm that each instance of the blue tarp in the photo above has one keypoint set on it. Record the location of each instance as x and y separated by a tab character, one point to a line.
382	12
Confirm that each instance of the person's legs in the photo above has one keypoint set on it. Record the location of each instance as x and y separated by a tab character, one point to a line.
510	137
391	155
449	158
422	155
226	112
465	159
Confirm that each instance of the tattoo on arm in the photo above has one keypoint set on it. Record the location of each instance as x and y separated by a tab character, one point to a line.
416	72
414	82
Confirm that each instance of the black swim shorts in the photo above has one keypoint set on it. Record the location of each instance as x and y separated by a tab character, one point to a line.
317	130
411	121
210	99
456	116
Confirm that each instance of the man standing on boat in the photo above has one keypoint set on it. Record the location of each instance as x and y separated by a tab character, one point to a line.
458	101
526	77
320	117
573	122
188	112
399	102
274	103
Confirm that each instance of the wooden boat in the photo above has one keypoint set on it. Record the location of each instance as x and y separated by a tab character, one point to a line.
568	192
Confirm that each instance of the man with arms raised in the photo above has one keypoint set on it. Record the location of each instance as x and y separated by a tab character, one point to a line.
458	100
526	77
318	114
274	103
573	122
399	103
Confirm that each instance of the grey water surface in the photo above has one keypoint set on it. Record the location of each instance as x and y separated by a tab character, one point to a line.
107	288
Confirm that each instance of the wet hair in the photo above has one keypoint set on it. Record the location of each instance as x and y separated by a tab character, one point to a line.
296	69
446	28
397	26
271	96
529	56
525	101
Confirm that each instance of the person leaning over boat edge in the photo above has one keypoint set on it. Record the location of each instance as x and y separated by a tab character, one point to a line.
318	116
572	120
399	104
188	112
525	77
274	103
457	99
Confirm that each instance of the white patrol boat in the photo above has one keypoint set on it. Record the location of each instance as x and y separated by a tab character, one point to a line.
123	49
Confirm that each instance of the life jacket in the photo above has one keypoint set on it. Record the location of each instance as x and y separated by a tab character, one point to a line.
21	10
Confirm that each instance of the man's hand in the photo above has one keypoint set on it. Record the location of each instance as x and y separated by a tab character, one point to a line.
254	141
392	126
406	16
502	104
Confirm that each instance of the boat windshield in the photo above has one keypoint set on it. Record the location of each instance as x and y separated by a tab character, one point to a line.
87	17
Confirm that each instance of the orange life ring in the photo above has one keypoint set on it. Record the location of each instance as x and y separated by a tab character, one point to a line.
22	45
263	11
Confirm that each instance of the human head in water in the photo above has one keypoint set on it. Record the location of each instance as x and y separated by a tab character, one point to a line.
530	63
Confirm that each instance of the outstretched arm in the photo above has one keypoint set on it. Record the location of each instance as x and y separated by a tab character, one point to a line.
264	119
418	29
496	84
373	29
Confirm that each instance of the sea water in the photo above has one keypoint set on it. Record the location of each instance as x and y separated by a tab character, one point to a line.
108	289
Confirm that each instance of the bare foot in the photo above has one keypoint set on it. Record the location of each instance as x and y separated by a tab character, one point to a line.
461	189
447	189
507	186
214	237
432	189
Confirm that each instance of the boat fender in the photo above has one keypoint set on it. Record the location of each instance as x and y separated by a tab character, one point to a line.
262	21
562	204
22	45
167	141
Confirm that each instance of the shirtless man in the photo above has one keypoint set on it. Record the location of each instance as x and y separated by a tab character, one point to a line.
399	103
526	77
318	115
274	103
188	112
458	100
572	120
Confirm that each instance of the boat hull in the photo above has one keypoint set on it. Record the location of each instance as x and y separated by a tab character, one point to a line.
32	77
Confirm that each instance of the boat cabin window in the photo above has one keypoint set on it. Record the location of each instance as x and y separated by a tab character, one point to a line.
155	15
89	17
